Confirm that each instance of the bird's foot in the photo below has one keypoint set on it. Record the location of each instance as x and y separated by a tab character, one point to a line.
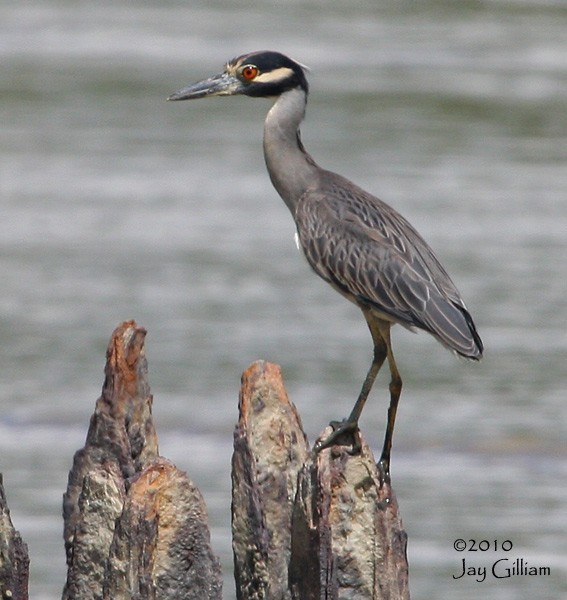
344	432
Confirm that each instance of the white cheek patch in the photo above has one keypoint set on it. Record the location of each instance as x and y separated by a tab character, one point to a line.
274	76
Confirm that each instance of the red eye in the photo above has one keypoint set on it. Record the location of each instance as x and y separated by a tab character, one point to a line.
249	72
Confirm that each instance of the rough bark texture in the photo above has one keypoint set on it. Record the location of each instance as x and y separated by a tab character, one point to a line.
14	560
269	450
134	525
347	537
307	525
161	546
99	504
121	437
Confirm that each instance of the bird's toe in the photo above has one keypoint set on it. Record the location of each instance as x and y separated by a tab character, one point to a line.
344	433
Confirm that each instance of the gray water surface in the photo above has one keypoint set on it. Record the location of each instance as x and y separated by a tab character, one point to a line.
116	204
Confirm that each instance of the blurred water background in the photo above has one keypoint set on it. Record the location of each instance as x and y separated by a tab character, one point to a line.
116	204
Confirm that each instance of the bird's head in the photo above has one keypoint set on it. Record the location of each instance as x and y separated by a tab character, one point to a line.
263	74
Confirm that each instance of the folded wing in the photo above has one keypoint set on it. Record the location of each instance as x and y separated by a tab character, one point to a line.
374	257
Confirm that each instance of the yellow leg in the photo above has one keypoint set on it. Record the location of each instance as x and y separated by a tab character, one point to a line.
395	391
380	331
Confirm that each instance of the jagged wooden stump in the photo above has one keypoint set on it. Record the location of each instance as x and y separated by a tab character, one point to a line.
270	449
135	526
308	526
14	560
305	526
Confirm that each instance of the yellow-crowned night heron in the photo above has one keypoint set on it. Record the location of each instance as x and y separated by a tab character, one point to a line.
354	241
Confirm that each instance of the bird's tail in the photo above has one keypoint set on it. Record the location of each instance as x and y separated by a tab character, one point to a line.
454	327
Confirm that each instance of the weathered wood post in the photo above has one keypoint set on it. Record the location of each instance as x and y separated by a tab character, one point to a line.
308	526
14	559
135	526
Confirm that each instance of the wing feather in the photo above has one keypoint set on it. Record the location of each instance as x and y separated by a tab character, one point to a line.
374	257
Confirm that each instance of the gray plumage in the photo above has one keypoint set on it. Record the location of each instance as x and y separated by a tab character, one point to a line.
354	241
373	256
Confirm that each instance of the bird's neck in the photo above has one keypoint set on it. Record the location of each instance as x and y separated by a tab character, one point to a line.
291	169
